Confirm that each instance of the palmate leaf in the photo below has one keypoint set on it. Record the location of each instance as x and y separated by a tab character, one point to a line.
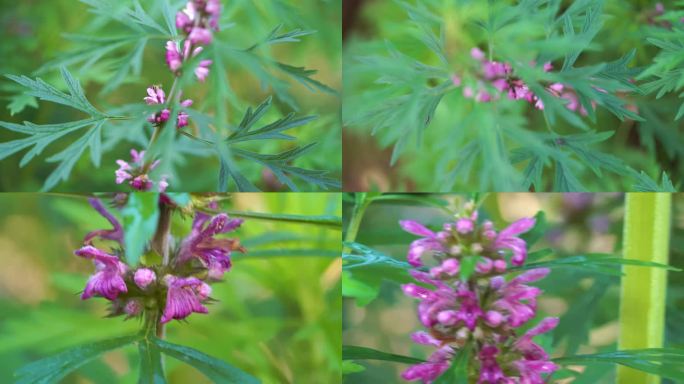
365	269
665	362
53	369
281	164
40	136
44	91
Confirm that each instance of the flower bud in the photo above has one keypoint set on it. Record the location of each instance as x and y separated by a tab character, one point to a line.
144	277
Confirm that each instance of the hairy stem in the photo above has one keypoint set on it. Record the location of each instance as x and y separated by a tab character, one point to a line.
362	203
160	241
643	290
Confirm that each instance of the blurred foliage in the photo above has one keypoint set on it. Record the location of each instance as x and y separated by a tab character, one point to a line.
378	315
420	134
115	59
277	315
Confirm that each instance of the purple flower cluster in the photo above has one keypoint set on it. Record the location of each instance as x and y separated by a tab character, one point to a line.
496	78
480	310
202	258
156	95
137	173
197	21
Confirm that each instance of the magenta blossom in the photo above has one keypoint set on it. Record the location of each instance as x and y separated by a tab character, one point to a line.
136	173
213	253
481	311
202	70
115	234
174	59
143	277
108	279
184	296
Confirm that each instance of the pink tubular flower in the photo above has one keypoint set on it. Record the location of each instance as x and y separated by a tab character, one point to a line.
144	277
137	173
418	247
202	70
200	36
481	311
108	279
507	239
183	297
174	59
155	95
213	253
115	234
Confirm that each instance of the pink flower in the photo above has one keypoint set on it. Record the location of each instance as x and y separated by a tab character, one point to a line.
163	184
144	277
122	173
174	59
133	307
200	35
155	95
456	80
477	54
182	120
116	233
202	70
183	297
186	18
507	239
108	279
213	253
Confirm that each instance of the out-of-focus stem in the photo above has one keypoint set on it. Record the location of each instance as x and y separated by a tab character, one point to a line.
643	290
362	202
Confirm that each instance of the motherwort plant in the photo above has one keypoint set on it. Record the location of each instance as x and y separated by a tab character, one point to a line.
171	126
149	274
474	314
172	289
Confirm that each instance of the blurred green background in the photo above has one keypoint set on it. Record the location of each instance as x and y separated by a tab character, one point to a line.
652	146
586	303
278	318
36	37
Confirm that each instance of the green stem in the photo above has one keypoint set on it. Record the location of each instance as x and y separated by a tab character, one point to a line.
643	290
362	202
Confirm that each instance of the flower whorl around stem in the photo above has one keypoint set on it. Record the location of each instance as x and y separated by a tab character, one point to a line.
480	309
136	173
136	289
497	78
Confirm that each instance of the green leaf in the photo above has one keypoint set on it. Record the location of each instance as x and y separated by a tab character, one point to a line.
323	220
596	263
349	366
140	216
151	369
44	91
53	369
353	352
275	37
19	102
467	269
458	372
169	18
537	232
366	269
215	369
303	76
665	362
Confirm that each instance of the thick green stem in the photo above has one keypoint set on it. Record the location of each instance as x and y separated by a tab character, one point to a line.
362	202
643	290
